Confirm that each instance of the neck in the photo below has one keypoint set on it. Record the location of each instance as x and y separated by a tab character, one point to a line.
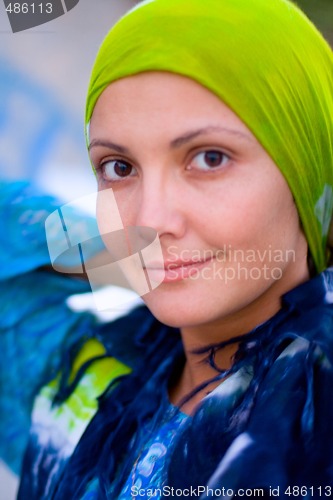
197	370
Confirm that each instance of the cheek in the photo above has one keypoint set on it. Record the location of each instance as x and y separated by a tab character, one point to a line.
232	212
251	213
101	215
128	205
274	222
108	215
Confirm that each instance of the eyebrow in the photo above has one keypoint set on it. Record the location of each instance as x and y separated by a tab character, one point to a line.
184	139
175	143
108	144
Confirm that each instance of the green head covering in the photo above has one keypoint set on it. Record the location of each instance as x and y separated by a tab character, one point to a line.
265	60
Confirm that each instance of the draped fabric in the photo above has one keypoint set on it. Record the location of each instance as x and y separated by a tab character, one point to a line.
268	425
36	325
265	60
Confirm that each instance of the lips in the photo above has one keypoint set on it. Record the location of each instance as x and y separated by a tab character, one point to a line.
174	264
175	270
187	263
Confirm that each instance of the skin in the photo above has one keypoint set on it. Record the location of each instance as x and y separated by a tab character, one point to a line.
196	174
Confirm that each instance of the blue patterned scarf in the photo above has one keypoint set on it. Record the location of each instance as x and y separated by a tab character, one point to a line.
268	425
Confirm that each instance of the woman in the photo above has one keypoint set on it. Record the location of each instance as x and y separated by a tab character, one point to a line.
211	124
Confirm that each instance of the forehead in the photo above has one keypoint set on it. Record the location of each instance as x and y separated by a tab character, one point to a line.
151	96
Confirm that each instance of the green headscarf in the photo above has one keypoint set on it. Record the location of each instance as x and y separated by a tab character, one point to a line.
266	61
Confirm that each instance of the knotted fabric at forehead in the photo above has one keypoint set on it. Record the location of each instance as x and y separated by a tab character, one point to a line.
265	60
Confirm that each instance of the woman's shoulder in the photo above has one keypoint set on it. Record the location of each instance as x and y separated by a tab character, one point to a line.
310	307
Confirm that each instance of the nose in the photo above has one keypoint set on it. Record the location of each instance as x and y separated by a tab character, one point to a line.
161	205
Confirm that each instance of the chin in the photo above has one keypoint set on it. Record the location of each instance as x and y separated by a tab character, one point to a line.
183	314
167	313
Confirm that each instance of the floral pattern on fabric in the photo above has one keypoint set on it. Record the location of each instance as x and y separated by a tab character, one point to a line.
149	470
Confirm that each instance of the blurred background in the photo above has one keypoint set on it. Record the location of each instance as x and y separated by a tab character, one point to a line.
44	74
321	13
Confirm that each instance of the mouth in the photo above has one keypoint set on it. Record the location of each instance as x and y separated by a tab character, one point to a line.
176	270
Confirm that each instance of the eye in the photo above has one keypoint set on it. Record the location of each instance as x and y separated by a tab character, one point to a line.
208	160
115	170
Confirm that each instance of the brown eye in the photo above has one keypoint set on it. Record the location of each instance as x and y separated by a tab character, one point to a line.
208	160
213	158
114	170
122	169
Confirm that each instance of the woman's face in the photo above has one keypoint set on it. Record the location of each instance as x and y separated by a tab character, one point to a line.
181	162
